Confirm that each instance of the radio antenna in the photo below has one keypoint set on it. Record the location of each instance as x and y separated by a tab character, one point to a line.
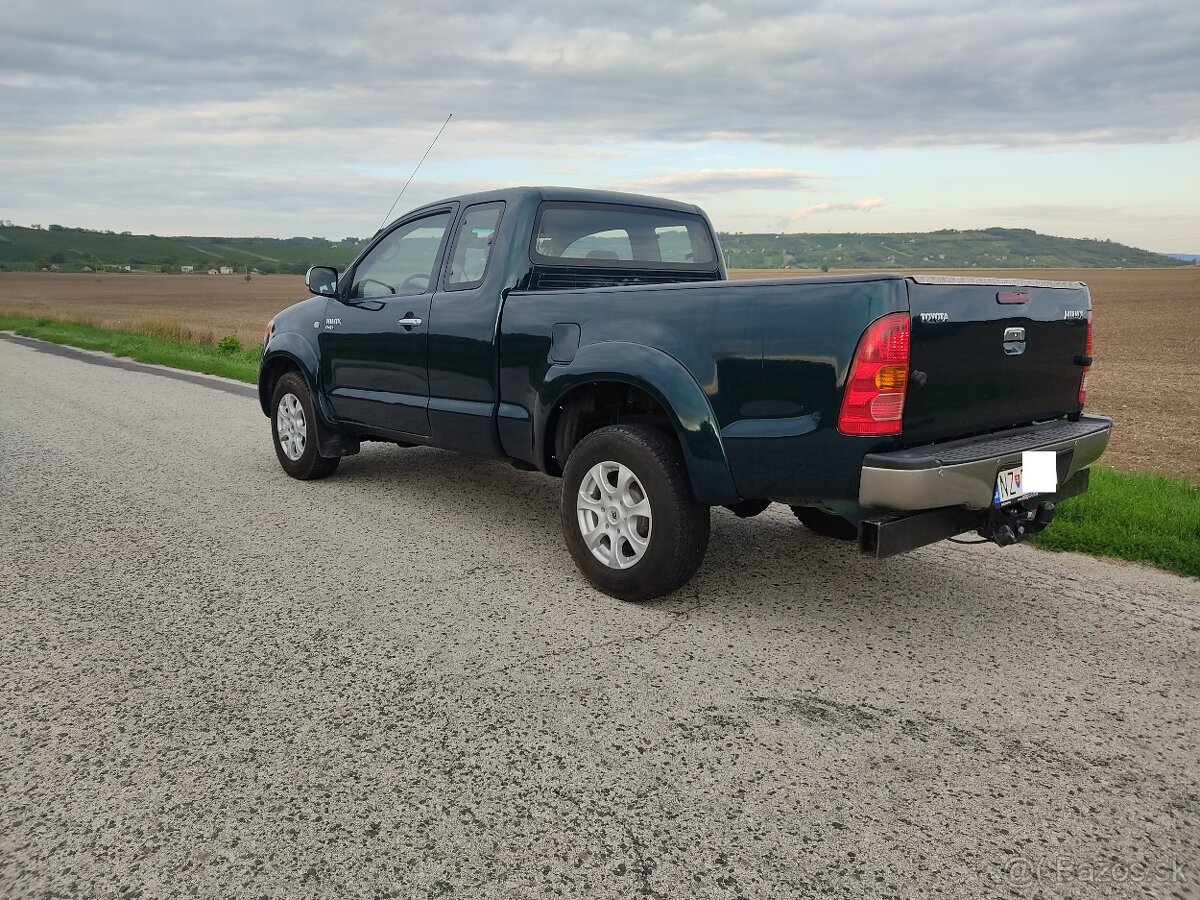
414	171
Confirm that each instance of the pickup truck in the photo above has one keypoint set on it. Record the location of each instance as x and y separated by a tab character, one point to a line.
595	336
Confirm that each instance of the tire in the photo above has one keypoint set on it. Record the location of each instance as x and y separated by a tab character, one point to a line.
826	524
628	487
294	431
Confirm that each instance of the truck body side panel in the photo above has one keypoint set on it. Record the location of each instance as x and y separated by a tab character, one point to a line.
663	378
769	357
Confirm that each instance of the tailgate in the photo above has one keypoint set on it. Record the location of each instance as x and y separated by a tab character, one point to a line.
994	353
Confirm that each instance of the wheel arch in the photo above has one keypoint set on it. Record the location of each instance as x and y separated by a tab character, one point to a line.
286	352
662	392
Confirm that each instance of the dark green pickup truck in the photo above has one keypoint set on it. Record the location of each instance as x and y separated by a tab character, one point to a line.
595	336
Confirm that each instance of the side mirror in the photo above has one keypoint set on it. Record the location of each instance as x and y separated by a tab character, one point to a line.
322	280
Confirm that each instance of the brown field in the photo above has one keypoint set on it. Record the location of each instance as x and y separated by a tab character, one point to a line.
222	304
1147	336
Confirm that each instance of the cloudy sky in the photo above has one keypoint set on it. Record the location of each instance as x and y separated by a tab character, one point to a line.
290	117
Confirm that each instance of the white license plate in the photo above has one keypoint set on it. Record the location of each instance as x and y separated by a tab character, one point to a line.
1008	486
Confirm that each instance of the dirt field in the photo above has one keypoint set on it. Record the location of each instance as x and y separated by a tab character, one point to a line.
222	304
1147	337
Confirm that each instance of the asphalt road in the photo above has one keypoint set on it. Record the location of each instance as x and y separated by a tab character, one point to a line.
219	682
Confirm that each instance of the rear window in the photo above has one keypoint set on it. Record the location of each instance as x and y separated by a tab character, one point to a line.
600	234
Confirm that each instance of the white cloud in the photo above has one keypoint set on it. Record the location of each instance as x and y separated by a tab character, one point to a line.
849	206
717	181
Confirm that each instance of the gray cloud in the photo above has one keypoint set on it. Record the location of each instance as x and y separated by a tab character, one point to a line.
225	91
873	73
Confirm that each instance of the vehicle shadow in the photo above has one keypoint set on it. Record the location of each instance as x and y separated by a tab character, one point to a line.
767	564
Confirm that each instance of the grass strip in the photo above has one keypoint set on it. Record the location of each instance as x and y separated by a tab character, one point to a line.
1137	516
223	358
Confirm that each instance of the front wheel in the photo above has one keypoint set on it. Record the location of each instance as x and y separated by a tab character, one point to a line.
294	430
628	515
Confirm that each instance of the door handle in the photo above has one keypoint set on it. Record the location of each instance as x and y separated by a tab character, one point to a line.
409	322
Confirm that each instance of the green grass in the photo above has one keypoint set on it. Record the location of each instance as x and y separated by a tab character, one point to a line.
1138	516
212	359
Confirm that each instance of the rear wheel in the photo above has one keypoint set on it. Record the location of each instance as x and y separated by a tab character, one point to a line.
294	430
825	523
628	515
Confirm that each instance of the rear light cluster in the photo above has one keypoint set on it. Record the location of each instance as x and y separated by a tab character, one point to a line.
873	403
1087	352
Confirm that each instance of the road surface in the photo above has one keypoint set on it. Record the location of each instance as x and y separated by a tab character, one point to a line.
220	682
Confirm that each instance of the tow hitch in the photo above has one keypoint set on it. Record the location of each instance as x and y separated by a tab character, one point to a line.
882	536
1008	525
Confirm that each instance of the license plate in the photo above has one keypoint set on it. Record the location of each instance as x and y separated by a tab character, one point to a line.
1008	487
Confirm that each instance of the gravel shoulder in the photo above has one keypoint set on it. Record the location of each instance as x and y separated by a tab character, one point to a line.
220	682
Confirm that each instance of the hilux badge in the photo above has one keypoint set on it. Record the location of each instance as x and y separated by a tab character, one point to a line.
1014	341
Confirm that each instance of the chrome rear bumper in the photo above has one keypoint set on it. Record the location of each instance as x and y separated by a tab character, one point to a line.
963	473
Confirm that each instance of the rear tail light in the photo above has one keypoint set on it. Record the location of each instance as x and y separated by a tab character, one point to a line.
1087	353
873	402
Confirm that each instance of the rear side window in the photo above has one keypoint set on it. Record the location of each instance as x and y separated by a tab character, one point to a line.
601	234
473	246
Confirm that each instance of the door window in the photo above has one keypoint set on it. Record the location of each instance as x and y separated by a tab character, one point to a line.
402	263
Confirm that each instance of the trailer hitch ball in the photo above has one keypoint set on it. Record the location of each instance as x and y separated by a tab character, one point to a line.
1003	535
1008	526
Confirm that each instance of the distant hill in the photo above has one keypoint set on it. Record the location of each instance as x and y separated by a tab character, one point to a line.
990	248
74	249
79	249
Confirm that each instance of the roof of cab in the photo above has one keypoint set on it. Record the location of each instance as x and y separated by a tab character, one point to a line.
569	195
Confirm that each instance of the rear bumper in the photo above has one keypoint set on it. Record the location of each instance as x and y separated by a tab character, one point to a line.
963	473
